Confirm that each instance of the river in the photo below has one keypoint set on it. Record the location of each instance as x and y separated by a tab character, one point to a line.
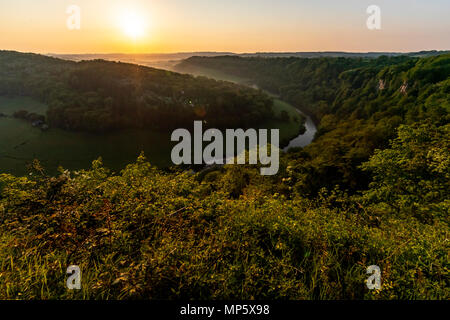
305	138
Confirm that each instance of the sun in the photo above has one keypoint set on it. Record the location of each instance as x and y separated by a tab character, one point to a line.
133	25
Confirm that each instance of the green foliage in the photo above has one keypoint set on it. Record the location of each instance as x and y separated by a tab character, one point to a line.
101	96
358	103
413	176
309	84
373	188
148	234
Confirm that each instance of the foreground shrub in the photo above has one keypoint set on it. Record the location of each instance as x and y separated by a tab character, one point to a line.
148	234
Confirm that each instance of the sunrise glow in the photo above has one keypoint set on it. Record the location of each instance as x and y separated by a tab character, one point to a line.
133	25
146	26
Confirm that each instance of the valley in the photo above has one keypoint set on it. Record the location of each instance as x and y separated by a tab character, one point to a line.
75	141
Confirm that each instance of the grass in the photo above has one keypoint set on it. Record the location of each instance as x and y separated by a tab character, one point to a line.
9	105
291	129
21	143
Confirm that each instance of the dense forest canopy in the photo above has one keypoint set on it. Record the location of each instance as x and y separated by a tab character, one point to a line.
359	103
305	82
321	85
101	96
372	189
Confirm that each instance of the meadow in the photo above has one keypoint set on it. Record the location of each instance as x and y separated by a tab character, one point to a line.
21	143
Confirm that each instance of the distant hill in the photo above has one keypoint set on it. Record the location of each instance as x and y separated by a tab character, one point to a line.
340	54
358	103
100	95
169	60
316	85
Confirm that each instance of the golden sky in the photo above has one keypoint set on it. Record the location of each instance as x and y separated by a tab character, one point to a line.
156	26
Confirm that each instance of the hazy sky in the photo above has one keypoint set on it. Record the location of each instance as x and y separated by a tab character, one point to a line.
232	25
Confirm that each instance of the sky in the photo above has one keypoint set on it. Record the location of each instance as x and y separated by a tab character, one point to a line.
164	26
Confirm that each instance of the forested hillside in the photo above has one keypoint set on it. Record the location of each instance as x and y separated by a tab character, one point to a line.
307	83
101	96
358	103
372	189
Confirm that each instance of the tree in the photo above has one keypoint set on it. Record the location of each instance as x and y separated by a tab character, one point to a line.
412	176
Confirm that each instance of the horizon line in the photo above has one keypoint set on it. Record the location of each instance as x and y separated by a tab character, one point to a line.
231	52
245	52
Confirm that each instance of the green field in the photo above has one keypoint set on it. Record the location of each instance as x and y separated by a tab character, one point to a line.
291	129
9	105
20	143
